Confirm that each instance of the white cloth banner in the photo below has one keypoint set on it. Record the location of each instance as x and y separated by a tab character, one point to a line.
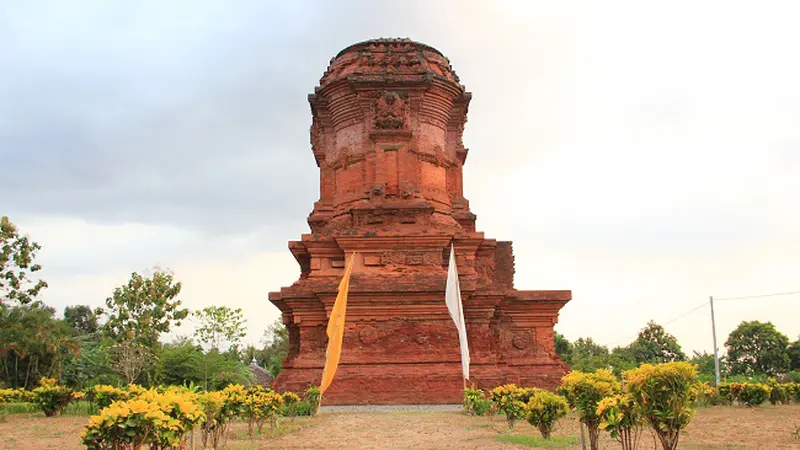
452	298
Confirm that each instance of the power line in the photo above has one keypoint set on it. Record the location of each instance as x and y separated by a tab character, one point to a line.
686	313
664	324
682	315
758	296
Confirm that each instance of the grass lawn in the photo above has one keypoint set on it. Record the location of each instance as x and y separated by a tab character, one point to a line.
766	427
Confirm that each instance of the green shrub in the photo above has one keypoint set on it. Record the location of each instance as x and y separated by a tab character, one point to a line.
289	406
544	409
753	394
506	399
726	393
583	392
312	396
304	408
664	395
780	393
476	403
51	398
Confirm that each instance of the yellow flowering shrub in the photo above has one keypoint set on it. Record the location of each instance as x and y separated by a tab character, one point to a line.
620	417
220	407
161	420
105	395
753	394
664	395
218	413
260	405
705	394
290	403
544	409
52	398
583	391
508	400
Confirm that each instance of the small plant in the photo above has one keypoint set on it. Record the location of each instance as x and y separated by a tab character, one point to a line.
290	401
305	408
52	398
664	395
583	392
312	396
506	399
544	409
620	417
476	403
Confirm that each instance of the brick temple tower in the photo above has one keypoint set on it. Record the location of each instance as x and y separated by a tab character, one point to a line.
388	118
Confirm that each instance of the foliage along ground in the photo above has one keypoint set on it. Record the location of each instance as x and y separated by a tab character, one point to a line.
720	427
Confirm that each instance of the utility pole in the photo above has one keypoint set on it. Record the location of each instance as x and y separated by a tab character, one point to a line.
714	334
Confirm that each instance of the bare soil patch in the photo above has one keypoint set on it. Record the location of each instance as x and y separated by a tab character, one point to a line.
767	427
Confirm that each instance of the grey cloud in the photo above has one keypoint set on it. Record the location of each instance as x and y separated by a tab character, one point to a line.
203	129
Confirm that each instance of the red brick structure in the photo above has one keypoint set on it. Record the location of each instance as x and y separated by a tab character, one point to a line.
388	117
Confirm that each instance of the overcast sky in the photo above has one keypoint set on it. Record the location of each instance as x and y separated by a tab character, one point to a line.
645	155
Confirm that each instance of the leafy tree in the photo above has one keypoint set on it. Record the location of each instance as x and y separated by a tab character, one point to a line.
276	347
757	348
90	366
181	362
141	310
654	345
794	355
621	359
220	325
33	344
130	359
17	253
588	356
705	364
81	318
563	347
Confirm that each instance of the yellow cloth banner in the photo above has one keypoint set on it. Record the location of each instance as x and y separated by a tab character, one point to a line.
336	330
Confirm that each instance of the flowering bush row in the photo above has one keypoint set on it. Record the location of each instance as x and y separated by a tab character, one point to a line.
660	396
162	418
16	395
754	394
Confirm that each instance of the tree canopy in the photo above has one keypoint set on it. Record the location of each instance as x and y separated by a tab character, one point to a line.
757	348
17	254
144	308
220	325
654	345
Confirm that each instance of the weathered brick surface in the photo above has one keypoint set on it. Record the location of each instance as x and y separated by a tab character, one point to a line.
388	118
